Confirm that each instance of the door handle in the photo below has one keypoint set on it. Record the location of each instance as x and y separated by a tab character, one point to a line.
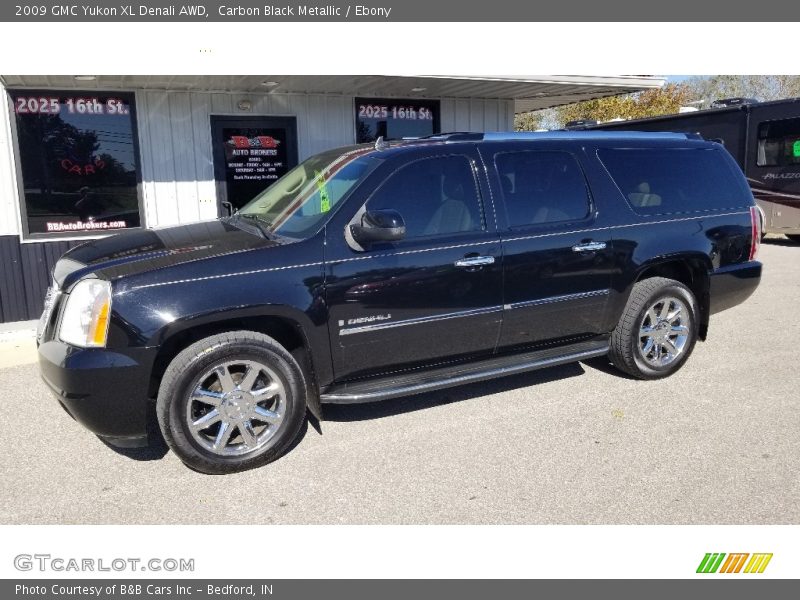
475	261
589	247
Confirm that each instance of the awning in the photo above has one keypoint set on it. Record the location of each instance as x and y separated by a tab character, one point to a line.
529	92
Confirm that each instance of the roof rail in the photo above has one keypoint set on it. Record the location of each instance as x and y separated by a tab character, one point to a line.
581	135
561	134
455	136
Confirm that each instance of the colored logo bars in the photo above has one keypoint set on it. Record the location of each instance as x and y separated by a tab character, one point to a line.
734	562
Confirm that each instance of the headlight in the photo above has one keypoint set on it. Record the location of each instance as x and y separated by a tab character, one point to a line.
86	315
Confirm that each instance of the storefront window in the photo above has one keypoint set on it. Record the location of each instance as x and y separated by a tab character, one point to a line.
79	161
395	119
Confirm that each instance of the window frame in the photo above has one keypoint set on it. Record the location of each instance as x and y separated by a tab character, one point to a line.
437	113
25	235
590	201
473	166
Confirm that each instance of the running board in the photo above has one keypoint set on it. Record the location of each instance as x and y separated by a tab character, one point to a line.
417	382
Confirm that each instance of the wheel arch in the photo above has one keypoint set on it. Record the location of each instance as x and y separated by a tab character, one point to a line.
693	271
288	330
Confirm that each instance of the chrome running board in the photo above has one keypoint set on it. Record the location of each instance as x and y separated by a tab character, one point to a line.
418	381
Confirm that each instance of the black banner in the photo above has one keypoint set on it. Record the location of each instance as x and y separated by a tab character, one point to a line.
402	11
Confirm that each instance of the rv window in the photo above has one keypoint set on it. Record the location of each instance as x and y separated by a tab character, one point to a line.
675	180
779	143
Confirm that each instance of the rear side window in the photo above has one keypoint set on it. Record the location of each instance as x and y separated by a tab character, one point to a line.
435	196
674	180
542	187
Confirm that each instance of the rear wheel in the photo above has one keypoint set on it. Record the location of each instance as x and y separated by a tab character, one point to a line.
231	402
657	331
794	237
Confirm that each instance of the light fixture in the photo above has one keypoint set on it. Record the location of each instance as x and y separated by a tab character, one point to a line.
418	89
85	77
245	105
270	83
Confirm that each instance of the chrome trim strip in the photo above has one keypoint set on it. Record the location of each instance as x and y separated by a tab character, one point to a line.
421	320
501	239
408	390
626	225
224	275
553	299
497	240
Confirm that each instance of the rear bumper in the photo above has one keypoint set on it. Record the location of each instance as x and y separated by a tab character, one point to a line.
733	285
105	391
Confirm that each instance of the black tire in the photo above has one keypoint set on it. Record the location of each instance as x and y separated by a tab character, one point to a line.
625	351
174	404
793	237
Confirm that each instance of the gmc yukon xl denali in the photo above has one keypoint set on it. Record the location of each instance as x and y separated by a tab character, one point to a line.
377	271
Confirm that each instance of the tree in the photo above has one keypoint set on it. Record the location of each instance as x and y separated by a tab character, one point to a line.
648	103
704	90
529	121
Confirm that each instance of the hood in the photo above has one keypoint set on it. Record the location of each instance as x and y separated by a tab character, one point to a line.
134	252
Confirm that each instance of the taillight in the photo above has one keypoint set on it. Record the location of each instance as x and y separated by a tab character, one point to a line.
755	230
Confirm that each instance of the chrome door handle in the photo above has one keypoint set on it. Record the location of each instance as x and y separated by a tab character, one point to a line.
475	261
589	247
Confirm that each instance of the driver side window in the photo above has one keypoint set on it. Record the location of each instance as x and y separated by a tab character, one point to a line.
435	196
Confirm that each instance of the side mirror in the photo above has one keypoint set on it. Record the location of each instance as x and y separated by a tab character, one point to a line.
228	206
379	226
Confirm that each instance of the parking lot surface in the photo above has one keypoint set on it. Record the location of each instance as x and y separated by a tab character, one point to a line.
716	444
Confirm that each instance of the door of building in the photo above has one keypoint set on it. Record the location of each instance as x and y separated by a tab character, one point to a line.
250	153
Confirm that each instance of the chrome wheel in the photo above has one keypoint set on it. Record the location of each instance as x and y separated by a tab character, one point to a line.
236	407
664	331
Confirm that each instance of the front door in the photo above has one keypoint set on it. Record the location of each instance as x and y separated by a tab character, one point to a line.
250	153
433	297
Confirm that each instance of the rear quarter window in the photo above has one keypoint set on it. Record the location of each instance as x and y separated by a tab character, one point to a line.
664	181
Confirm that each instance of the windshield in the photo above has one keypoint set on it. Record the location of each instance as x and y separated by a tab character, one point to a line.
296	204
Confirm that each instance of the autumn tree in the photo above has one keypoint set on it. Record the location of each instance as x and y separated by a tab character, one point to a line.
648	103
704	90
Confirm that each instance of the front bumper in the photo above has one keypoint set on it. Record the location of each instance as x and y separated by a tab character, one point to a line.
104	390
733	285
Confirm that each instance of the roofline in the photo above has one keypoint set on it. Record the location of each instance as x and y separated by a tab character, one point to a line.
622	81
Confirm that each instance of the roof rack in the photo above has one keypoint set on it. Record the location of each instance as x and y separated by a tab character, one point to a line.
560	134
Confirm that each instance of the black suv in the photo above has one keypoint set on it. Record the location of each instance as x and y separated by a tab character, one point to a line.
378	271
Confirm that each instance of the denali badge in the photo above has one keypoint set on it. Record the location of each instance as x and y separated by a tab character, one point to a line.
369	319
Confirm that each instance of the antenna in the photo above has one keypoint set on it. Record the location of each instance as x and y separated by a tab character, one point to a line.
381	144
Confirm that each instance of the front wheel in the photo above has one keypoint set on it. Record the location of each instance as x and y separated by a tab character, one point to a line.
657	331
231	402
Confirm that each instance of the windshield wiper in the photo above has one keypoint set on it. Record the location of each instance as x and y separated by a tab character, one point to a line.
260	223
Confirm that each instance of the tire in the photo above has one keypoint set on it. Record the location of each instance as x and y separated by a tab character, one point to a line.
255	387
668	343
794	237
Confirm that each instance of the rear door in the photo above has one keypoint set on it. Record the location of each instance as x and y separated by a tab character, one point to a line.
435	295
557	255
